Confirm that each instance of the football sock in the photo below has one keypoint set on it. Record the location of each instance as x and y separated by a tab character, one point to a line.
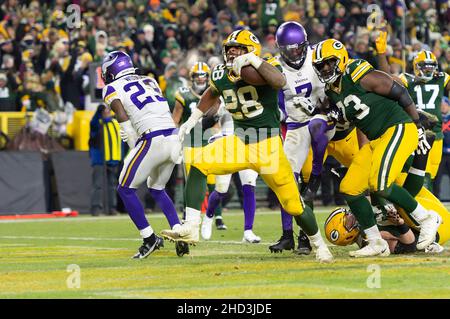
249	203
146	232
193	215
317	239
419	213
427	182
195	189
307	221
218	209
165	203
133	206
414	181
319	142
399	196
372	233
214	200
286	220
361	208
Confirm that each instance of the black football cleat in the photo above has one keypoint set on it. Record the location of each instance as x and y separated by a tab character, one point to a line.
220	225
286	242
182	248
304	246
148	247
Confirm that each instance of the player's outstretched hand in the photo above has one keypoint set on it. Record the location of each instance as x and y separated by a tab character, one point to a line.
186	128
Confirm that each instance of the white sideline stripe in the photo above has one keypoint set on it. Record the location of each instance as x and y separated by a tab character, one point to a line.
235	242
126	217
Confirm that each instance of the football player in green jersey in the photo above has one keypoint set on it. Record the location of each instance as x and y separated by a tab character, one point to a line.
256	142
426	86
383	112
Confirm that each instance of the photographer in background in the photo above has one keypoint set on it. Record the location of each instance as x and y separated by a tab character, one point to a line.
105	151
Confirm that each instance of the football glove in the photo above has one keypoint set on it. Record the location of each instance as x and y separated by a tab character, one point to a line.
312	187
428	120
244	60
423	147
128	134
305	103
187	126
381	42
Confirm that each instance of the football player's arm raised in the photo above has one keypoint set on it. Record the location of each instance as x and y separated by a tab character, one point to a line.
127	132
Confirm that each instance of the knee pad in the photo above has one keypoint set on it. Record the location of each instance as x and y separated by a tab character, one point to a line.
222	187
292	206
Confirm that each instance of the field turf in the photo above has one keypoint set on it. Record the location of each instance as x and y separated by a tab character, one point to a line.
35	256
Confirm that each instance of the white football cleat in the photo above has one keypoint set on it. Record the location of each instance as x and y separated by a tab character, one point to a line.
206	229
428	230
188	232
378	247
250	237
434	248
323	254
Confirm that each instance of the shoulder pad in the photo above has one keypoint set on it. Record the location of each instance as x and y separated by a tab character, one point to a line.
357	68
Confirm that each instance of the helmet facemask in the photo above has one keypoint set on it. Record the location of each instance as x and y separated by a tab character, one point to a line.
426	70
228	57
328	69
294	54
199	82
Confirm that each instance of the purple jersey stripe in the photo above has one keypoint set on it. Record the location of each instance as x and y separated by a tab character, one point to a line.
135	162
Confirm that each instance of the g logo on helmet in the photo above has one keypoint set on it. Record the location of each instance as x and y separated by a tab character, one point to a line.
254	38
334	235
337	45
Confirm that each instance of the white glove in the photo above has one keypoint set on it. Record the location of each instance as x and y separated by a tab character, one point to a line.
187	126
424	146
305	103
128	134
244	60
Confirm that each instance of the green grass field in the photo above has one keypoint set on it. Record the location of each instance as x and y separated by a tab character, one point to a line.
35	255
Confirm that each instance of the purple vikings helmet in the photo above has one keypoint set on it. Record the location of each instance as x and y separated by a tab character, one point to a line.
292	41
115	65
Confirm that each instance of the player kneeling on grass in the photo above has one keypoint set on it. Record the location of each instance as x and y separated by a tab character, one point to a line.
147	126
249	86
342	229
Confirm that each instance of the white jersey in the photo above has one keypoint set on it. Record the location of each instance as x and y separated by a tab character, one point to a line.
143	102
303	82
